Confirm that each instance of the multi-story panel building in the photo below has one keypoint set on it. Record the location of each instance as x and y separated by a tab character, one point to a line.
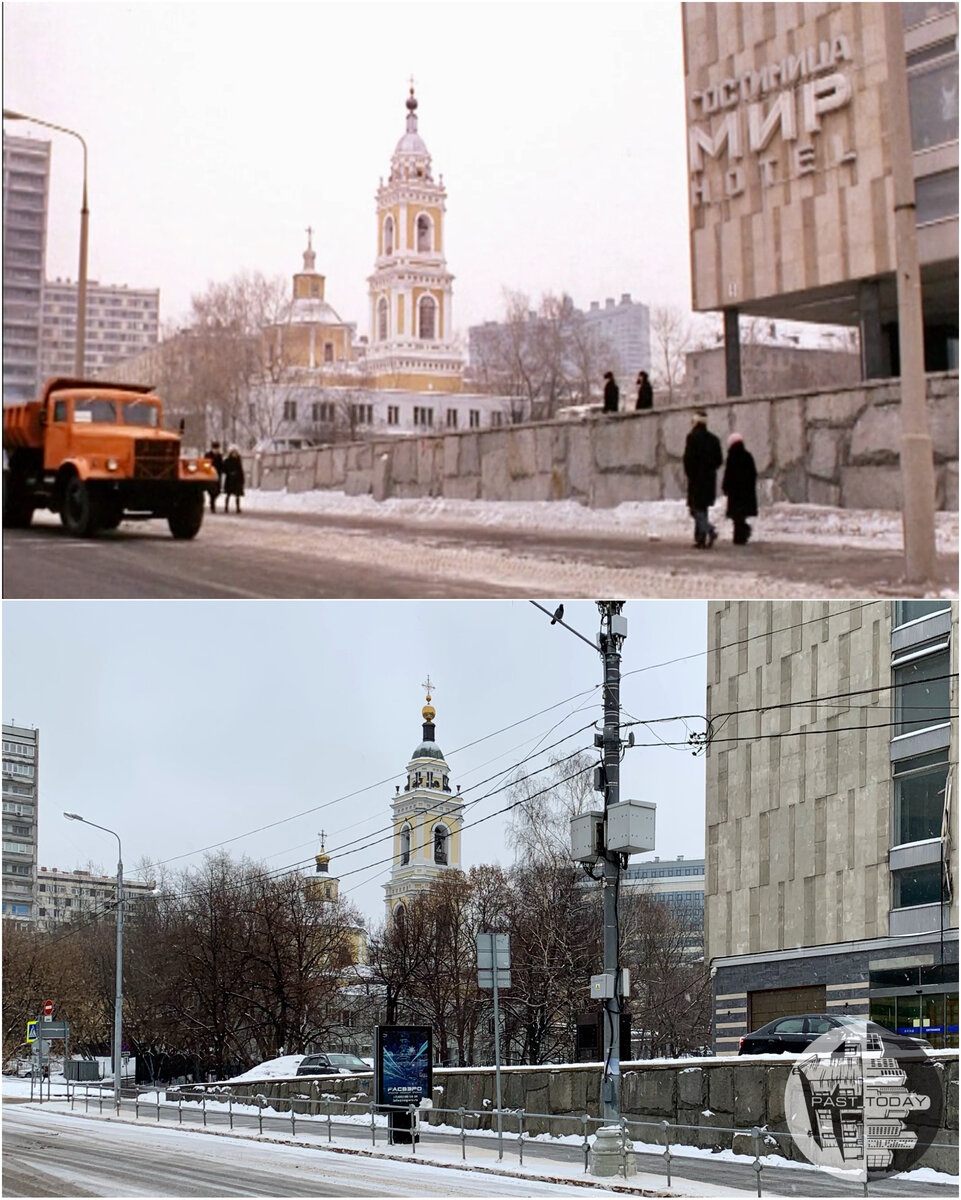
790	169
614	337
21	767
63	896
26	184
121	322
831	853
678	883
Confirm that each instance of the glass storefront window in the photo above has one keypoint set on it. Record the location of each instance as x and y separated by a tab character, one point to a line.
951	1020
919	785
882	1012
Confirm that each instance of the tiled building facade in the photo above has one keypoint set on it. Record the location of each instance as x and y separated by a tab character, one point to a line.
830	854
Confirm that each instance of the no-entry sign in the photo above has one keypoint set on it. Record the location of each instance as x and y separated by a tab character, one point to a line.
47	1007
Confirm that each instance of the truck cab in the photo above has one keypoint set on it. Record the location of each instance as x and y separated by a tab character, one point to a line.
97	453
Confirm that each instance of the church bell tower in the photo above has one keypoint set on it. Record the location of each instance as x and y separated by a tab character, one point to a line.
426	816
411	331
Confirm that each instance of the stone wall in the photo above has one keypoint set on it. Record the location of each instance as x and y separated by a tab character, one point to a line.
712	1096
837	447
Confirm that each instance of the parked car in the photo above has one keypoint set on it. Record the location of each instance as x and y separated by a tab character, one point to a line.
331	1064
793	1035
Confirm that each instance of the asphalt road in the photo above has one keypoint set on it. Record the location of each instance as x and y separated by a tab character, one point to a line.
275	555
25	1164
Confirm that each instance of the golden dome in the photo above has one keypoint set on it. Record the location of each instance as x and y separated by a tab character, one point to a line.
428	711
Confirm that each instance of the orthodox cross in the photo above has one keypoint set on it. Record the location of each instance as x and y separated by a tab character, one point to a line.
428	686
310	233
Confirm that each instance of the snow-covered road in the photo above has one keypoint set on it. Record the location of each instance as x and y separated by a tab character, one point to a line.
47	1152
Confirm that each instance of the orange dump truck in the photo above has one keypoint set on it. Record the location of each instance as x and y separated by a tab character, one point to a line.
96	453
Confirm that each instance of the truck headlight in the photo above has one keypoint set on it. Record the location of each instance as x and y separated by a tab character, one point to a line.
191	466
112	465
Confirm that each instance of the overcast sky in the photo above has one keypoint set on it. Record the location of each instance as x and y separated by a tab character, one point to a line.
182	724
217	132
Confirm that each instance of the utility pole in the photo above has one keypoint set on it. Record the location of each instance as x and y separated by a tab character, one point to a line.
612	635
917	461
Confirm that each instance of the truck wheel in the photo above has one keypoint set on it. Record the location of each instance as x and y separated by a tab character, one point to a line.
17	509
111	514
79	510
187	516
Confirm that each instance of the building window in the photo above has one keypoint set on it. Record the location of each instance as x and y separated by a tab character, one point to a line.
18	748
393	414
17	848
919	789
936	196
917	14
922	687
405	846
452	418
328	352
426	314
15	768
906	611
290	410
423	234
914	886
382	319
389	236
497	420
440	845
933	96
362	414
423	417
475	418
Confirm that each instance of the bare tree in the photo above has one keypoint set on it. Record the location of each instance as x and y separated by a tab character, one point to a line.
674	335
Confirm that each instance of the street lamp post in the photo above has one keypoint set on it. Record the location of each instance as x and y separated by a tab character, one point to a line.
118	1001
9	115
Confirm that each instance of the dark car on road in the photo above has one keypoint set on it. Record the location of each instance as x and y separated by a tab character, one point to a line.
793	1035
331	1064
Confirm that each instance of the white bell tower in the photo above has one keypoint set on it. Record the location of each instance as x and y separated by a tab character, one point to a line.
426	815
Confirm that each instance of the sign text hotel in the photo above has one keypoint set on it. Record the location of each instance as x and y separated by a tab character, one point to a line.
740	116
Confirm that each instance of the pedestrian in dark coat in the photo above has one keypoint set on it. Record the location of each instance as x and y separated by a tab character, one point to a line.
233	478
645	393
702	457
217	461
739	484
612	393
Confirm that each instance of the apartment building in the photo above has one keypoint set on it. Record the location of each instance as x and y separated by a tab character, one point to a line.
63	896
26	187
21	766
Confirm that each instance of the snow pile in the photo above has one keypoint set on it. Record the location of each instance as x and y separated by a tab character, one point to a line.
656	520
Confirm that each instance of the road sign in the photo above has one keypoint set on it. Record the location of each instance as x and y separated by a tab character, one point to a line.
32	1031
486	944
47	1007
48	1030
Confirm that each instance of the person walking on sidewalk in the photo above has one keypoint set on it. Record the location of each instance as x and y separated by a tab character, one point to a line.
702	457
612	393
739	484
233	478
645	393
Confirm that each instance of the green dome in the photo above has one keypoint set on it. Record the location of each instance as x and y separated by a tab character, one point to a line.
428	750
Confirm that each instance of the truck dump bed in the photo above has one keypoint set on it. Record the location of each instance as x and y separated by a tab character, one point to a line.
21	425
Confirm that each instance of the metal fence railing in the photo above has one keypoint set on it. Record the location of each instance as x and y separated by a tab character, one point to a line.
518	1131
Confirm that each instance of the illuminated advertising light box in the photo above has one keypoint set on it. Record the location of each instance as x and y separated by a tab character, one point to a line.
403	1055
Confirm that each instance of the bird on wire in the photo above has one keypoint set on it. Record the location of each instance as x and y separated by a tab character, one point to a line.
558	614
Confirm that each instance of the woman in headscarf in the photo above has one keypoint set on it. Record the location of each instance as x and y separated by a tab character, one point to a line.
739	484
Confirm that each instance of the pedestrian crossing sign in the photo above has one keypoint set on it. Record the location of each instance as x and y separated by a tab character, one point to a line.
32	1034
